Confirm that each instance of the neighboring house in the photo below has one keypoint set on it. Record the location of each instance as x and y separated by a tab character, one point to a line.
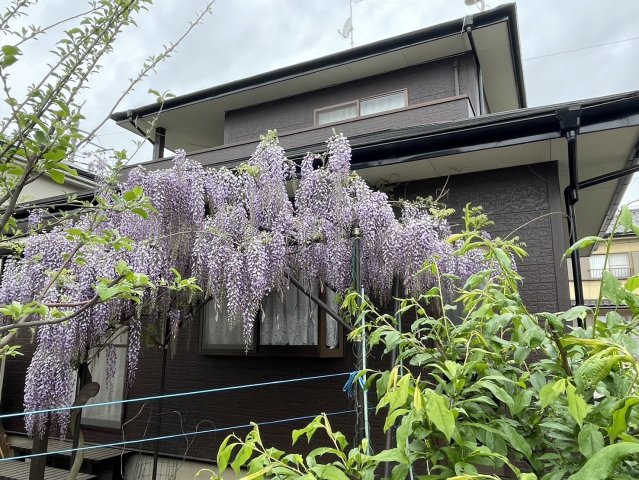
442	106
623	263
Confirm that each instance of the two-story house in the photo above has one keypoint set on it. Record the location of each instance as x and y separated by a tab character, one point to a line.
445	105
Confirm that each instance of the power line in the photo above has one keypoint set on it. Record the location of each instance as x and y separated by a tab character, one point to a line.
583	48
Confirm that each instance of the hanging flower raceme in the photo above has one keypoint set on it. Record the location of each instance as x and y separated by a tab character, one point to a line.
236	231
240	251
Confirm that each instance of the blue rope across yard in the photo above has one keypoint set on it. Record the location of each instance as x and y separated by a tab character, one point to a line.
176	435
180	394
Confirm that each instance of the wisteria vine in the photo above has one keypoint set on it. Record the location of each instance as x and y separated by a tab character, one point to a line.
236	231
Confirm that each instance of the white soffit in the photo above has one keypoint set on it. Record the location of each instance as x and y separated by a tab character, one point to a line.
496	60
598	153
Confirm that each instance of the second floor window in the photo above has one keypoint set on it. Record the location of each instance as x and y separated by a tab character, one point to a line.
361	107
618	264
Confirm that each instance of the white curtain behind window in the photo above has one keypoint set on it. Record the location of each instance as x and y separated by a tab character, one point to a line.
289	319
217	331
109	415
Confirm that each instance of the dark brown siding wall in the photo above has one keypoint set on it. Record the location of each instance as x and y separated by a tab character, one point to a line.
514	197
511	197
426	82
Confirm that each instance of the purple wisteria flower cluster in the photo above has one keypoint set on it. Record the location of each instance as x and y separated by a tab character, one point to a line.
238	233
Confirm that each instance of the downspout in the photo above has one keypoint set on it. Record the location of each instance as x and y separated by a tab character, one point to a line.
468	28
569	123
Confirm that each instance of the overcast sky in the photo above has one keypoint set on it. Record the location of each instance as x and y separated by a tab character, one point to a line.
571	49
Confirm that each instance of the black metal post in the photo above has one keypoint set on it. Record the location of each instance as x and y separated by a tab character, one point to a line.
569	123
158	430
158	143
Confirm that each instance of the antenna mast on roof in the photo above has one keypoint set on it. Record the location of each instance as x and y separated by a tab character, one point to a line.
481	4
347	29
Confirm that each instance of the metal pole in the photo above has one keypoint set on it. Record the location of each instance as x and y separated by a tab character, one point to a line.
158	430
398	319
158	143
363	427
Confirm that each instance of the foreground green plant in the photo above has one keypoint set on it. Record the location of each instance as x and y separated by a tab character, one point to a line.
484	388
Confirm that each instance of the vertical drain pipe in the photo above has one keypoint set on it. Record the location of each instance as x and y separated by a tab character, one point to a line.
569	123
468	28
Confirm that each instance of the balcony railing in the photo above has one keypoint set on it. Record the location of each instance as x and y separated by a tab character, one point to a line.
617	272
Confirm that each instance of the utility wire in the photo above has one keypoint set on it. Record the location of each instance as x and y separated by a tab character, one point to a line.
167	437
583	48
175	395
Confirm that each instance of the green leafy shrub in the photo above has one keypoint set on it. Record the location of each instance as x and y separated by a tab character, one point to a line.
501	392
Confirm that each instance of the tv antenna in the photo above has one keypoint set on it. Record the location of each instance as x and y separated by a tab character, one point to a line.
347	29
480	4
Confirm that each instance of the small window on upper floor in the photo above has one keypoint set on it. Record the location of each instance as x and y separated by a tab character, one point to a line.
336	114
382	103
618	264
386	102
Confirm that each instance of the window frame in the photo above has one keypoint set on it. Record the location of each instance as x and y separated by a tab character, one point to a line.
357	103
320	350
109	425
609	268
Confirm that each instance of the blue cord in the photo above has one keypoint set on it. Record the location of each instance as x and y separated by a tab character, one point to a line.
167	437
174	395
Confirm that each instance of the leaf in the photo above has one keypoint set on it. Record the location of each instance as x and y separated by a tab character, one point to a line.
632	283
418	400
590	440
518	442
242	457
620	418
391	455
583	243
500	393
329	472
625	218
223	454
594	370
603	463
57	176
521	401
549	392
439	414
106	292
577	406
10	50
578	312
612	288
